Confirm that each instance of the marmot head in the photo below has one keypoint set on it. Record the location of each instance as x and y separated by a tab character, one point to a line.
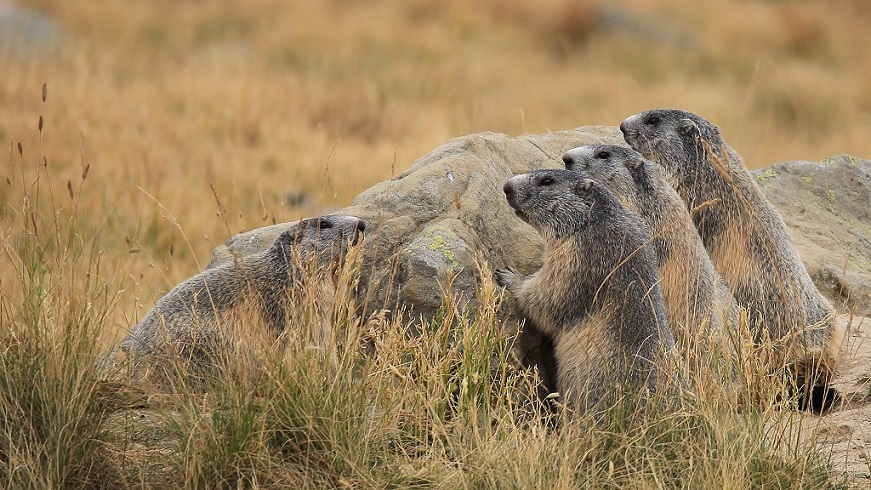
677	140
559	203
623	170
327	237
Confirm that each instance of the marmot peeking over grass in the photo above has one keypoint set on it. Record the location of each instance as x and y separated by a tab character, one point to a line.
597	292
747	241
695	295
226	311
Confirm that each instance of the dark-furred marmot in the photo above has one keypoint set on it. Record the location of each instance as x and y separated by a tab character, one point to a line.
745	236
223	311
695	295
596	294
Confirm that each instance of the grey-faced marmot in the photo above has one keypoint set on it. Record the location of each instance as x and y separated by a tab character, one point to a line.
596	294
695	295
224	311
745	237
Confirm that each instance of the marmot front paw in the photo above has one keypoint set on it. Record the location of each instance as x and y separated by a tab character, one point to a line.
507	277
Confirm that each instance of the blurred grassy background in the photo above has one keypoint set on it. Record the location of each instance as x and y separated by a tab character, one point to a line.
195	118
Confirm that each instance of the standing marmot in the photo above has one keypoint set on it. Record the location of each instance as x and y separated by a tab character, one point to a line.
745	236
222	312
596	294
695	295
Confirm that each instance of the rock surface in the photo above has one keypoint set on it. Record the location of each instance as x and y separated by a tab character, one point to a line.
827	207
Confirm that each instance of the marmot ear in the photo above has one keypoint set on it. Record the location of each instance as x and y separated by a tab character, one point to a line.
286	239
635	164
686	126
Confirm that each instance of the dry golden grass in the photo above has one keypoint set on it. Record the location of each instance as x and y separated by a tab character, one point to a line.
192	119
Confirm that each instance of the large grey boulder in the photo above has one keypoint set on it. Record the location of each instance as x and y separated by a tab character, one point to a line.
427	226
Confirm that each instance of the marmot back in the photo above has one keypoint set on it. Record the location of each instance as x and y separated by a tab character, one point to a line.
216	313
596	293
744	235
695	295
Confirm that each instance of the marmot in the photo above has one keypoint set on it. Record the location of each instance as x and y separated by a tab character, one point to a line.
220	313
746	238
596	294
696	297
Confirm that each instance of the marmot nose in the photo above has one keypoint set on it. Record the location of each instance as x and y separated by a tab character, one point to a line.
359	226
623	127
569	161
508	189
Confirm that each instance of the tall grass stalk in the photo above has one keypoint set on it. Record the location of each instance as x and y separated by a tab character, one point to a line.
54	302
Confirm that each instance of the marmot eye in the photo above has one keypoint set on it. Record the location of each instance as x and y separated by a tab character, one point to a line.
603	155
324	224
546	181
651	120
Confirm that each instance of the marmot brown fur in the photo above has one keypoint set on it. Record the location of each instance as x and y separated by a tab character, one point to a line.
696	297
746	238
596	294
221	312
